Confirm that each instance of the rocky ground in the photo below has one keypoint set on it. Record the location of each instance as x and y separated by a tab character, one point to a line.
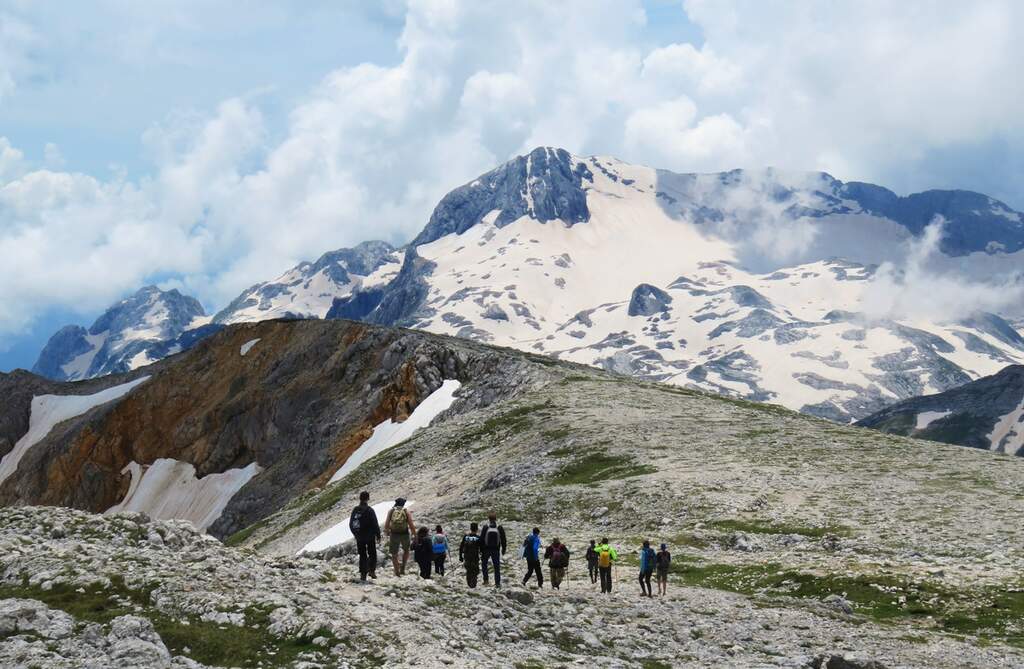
797	542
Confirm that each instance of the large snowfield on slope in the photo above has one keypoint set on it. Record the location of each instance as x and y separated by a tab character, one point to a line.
169	489
1008	434
339	534
49	410
390	433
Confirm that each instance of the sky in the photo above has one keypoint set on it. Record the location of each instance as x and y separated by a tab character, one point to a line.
208	145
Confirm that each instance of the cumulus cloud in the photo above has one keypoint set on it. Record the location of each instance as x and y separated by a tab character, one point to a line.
861	89
916	289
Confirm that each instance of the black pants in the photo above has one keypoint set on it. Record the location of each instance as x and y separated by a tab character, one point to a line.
472	571
367	556
645	582
606	579
592	566
533	565
424	567
492	555
439	563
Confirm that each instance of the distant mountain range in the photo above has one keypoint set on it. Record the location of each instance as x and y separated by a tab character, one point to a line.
750	283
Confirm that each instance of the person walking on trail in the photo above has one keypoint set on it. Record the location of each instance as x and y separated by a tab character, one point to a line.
647	561
423	551
469	554
493	539
366	530
399	526
557	555
661	564
592	561
606	557
440	549
531	552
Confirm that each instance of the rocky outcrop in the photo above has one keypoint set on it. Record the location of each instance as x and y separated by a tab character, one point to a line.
297	404
646	300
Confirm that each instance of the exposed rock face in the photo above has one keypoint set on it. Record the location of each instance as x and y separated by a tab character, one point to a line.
547	184
134	332
647	300
987	413
297	404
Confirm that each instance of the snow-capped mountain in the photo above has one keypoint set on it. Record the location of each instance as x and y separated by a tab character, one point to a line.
755	283
987	413
309	289
138	330
725	282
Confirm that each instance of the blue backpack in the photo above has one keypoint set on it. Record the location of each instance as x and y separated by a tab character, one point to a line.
440	544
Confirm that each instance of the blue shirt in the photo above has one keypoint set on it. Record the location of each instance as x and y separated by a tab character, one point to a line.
531	549
647	559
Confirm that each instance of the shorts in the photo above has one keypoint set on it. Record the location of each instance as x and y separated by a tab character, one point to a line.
398	540
662	573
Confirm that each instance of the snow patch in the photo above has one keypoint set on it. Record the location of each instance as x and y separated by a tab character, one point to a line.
169	489
78	367
49	410
926	418
1007	436
339	534
389	433
247	346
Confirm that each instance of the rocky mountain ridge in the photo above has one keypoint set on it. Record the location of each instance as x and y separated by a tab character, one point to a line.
987	413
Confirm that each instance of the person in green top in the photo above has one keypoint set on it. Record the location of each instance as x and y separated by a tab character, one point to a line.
606	557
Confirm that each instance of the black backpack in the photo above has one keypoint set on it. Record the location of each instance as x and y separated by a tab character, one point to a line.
663	560
492	537
355	521
471	547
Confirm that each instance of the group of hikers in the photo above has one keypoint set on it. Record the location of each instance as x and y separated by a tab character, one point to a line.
481	550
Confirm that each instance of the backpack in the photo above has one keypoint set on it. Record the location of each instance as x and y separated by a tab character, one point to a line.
604	556
492	537
471	548
649	558
399	520
355	521
440	545
664	559
559	556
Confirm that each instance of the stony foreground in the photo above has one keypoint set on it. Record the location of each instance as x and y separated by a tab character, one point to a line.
81	590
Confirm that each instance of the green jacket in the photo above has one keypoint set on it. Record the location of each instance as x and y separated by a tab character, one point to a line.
606	547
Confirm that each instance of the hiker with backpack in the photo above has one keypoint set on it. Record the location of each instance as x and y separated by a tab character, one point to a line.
592	561
662	562
399	526
469	554
647	559
531	553
606	557
557	555
441	550
366	530
493	539
423	551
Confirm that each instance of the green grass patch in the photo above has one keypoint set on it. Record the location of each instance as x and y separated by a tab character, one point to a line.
600	466
759	527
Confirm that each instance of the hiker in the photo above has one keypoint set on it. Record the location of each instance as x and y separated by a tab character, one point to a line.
399	526
531	550
606	557
423	552
493	539
647	558
557	555
441	550
469	554
592	561
366	530
661	564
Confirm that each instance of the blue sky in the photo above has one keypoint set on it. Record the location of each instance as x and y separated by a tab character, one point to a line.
208	145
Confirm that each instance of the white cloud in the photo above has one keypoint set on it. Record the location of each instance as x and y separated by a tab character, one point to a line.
916	289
